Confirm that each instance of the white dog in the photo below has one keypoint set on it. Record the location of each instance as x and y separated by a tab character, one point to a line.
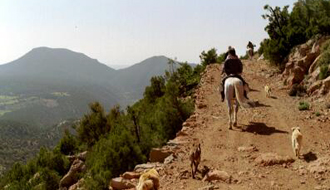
149	180
268	90
296	140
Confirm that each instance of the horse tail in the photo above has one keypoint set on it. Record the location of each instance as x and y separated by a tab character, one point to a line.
239	92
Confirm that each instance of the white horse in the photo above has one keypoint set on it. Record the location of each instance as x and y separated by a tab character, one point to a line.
235	86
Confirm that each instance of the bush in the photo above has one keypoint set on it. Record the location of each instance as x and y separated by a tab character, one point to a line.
317	113
209	57
324	72
325	46
303	106
93	125
111	156
68	144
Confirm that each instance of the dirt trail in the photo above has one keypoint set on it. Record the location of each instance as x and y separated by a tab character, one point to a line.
267	127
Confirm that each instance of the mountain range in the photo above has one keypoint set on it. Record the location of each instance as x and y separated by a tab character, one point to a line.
47	85
46	90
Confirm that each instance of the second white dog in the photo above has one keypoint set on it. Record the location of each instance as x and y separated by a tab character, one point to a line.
268	90
296	140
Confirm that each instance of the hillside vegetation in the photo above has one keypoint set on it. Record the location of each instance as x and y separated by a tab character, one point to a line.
50	86
116	141
288	29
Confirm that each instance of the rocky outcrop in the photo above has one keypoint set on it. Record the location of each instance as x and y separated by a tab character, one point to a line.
70	180
81	156
119	183
131	175
78	185
159	154
71	177
303	60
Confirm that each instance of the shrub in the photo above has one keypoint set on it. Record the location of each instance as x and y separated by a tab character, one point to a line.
68	144
325	46
317	113
111	156
324	71
303	105
208	57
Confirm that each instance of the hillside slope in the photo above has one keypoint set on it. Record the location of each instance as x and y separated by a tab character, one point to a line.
266	127
133	80
262	131
47	86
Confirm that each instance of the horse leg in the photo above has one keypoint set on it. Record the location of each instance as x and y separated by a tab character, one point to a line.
235	114
229	96
192	170
229	115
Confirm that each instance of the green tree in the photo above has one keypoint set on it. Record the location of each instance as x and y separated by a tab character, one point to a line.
286	30
111	156
93	125
68	144
209	57
156	89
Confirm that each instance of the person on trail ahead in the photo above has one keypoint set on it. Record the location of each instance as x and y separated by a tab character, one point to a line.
250	45
226	54
250	49
233	67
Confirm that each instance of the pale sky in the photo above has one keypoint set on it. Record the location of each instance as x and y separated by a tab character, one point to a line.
125	32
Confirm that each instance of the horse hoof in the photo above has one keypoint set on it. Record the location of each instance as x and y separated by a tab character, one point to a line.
230	128
235	124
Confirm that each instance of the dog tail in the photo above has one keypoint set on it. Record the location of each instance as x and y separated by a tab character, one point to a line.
239	92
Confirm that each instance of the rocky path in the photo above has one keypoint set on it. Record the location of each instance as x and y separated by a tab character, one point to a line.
248	154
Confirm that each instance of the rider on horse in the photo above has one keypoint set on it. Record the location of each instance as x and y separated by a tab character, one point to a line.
250	46
233	67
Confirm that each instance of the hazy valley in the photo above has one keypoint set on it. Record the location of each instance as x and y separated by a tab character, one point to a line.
46	90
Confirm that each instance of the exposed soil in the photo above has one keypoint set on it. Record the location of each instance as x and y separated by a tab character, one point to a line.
266	128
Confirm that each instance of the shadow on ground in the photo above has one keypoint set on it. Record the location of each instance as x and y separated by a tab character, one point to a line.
257	104
310	156
261	129
253	90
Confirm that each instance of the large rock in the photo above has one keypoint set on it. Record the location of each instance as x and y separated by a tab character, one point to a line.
314	64
298	74
143	167
326	86
326	83
217	175
71	177
314	87
269	159
119	183
81	156
306	61
78	185
180	140
159	154
314	76
131	175
303	60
